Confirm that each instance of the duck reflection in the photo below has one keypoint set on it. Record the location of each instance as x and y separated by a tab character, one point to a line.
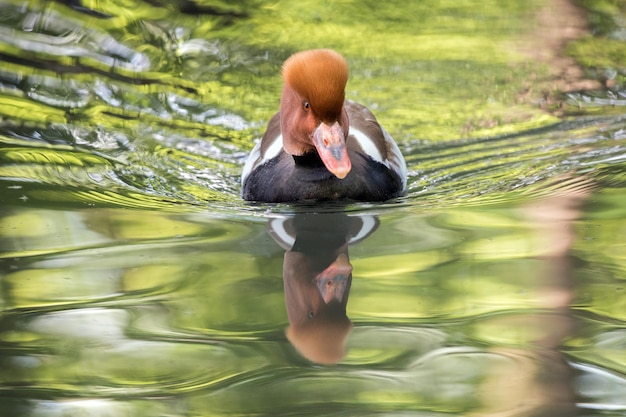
317	276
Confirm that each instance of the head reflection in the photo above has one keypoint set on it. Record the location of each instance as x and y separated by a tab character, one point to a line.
317	276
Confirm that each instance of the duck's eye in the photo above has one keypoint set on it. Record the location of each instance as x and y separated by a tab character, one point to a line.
311	314
305	105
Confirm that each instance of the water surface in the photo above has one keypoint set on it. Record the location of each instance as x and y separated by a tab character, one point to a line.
134	281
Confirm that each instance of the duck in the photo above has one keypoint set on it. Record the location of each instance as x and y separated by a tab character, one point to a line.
320	146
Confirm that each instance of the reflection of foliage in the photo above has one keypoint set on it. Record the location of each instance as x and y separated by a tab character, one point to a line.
604	54
180	300
605	16
144	303
427	70
175	100
605	50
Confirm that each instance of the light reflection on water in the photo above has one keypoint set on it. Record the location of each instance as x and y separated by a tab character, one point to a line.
134	281
486	308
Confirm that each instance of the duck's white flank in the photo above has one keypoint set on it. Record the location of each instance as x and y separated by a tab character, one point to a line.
395	160
255	159
365	142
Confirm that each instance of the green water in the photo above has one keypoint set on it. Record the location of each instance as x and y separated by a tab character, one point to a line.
135	282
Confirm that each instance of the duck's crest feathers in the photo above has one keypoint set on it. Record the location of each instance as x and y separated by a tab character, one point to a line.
320	76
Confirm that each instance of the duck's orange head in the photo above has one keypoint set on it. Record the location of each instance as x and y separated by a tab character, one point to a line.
312	115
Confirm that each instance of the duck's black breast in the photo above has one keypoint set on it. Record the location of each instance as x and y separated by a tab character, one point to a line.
286	178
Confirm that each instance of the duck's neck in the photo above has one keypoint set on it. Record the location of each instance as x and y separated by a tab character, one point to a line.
309	160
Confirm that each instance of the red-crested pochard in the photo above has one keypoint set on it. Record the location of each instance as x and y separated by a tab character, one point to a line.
320	146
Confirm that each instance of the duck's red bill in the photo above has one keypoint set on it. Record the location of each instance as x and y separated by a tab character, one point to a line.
331	147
